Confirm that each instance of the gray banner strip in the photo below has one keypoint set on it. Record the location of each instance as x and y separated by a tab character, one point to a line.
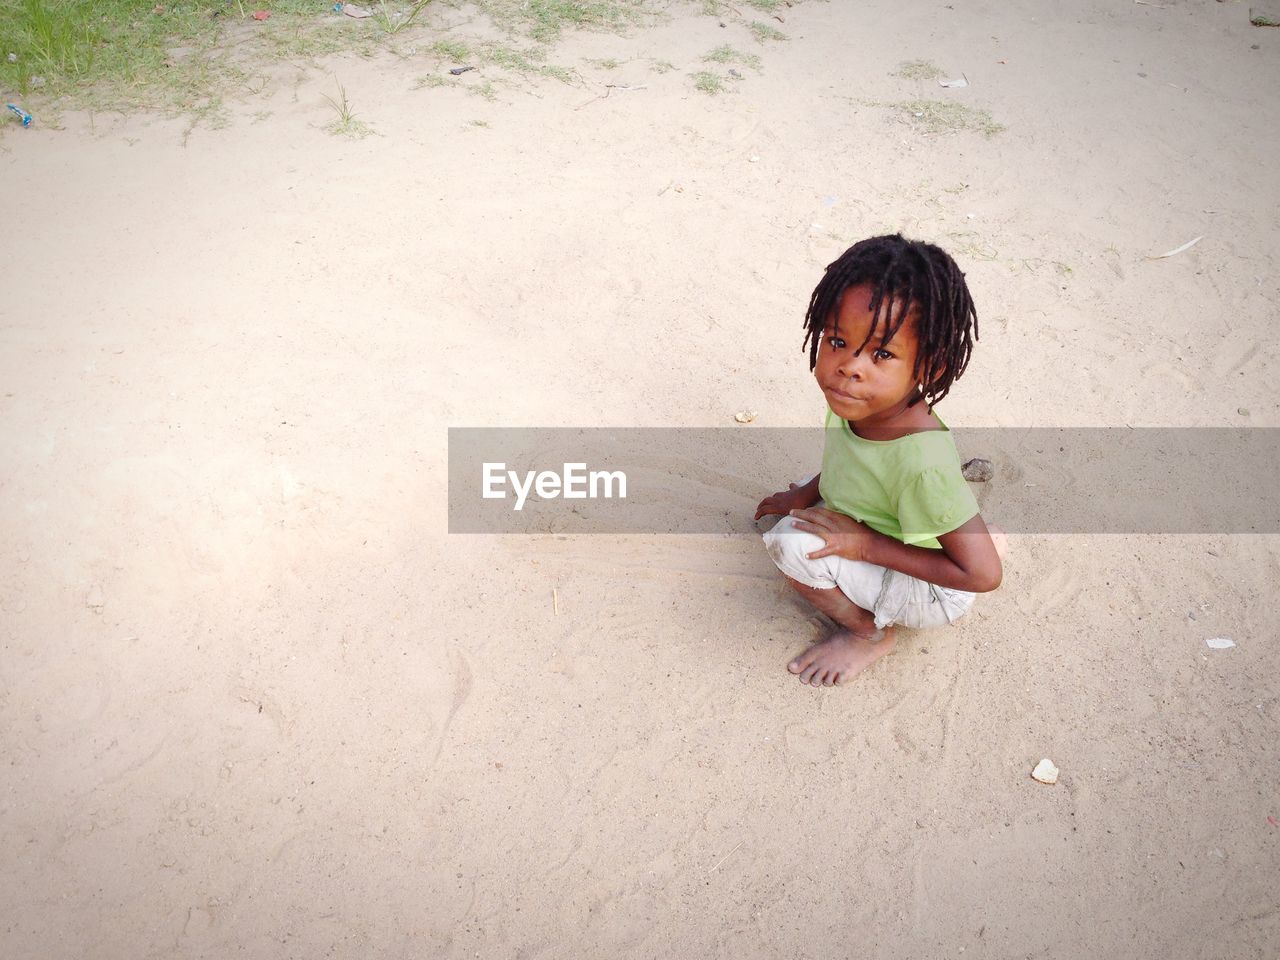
709	480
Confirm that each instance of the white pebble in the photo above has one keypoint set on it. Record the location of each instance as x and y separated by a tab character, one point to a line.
1045	772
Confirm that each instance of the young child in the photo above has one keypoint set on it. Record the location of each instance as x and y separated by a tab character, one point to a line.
889	532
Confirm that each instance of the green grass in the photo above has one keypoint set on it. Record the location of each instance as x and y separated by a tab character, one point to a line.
917	70
544	20
345	123
727	54
433	80
661	66
766	5
529	61
763	31
940	116
63	46
121	54
392	20
708	82
454	50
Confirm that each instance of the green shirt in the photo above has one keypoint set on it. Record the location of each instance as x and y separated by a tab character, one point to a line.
910	489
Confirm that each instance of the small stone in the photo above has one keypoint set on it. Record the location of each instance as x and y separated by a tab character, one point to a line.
1045	772
978	470
1243	411
735	74
745	416
1219	643
13	58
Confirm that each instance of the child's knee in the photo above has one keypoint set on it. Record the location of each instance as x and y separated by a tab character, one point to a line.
789	549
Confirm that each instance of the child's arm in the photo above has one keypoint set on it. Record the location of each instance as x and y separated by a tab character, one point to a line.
795	497
967	560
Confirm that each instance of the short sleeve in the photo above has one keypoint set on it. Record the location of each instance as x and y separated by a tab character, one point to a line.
937	501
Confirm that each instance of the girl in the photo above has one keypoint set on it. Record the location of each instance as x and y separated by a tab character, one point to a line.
889	532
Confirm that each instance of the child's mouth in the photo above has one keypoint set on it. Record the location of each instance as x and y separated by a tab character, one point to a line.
846	397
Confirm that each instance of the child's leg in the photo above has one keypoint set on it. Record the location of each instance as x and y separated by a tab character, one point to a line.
847	652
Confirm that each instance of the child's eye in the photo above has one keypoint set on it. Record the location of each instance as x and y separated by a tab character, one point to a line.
882	354
836	343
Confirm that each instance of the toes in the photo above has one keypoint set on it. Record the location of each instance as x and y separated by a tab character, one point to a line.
809	671
829	678
816	679
804	662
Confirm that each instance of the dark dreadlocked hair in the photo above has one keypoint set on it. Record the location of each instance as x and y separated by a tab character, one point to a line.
908	278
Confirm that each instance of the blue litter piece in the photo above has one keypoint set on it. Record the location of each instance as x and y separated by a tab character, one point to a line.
22	114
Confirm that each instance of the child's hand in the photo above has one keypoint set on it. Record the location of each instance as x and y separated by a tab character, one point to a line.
795	497
844	536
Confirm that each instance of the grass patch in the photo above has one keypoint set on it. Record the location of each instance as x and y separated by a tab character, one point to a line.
917	70
763	32
768	6
184	56
454	50
113	52
608	63
432	80
661	66
393	21
727	54
544	20
176	57
707	82
345	123
940	116
529	62
486	90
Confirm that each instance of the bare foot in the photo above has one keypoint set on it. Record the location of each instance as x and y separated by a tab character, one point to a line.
841	657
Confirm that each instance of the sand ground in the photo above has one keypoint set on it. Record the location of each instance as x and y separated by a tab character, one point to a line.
255	701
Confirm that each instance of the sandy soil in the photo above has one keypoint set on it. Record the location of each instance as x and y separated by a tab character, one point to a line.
254	700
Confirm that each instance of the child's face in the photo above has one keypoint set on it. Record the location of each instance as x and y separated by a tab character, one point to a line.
872	385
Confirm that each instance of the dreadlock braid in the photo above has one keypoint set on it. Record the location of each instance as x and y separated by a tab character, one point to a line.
922	282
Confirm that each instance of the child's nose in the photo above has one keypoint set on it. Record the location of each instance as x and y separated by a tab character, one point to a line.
852	365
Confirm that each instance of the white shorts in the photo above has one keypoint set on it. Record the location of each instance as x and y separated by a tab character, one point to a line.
892	596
